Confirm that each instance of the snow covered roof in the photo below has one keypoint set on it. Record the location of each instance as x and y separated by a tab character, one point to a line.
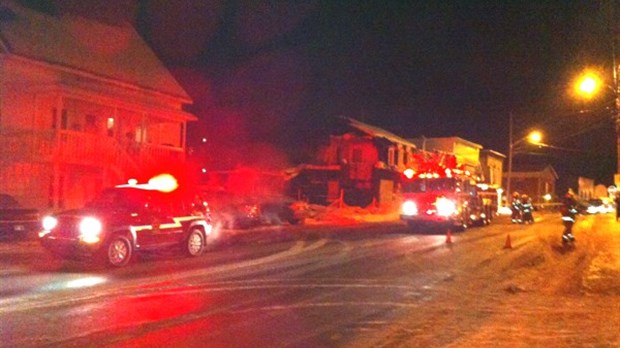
106	51
378	132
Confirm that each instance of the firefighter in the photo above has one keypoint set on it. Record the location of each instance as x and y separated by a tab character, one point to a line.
569	212
515	206
526	209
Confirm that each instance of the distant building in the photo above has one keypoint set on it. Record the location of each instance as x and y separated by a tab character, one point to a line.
585	188
492	165
363	163
83	105
534	180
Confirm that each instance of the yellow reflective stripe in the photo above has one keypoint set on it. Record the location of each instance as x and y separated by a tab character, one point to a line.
176	223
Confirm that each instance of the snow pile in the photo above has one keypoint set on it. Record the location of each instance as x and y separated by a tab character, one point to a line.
346	215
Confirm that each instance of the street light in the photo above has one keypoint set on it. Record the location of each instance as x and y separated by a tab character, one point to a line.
589	84
534	137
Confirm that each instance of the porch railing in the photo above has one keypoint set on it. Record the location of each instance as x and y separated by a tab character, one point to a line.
80	148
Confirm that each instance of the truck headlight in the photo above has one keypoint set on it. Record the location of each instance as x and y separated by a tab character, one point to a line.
409	208
445	207
90	229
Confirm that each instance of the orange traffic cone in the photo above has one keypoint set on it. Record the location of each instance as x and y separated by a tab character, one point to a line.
449	237
508	244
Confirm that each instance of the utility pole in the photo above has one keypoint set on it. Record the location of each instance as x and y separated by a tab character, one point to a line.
510	154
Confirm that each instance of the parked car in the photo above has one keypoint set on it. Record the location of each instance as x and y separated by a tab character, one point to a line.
279	210
237	214
128	219
17	222
598	206
243	212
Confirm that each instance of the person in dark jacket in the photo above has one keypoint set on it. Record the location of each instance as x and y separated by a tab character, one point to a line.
515	206
526	210
569	213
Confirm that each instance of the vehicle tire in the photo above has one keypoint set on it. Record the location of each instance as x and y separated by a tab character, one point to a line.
118	251
195	243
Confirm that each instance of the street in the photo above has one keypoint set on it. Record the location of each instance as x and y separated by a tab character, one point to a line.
367	285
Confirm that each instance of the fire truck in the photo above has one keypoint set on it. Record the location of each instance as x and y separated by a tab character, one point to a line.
445	195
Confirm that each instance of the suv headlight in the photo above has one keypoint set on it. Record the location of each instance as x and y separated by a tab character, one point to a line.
90	229
445	207
49	222
409	208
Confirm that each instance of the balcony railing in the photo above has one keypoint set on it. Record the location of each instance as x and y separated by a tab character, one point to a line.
72	147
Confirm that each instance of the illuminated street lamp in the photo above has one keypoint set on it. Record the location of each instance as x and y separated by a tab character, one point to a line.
589	85
534	137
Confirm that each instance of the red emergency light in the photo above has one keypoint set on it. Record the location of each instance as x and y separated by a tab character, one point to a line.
162	182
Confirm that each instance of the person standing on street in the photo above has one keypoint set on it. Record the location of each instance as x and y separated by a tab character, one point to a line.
569	212
515	207
526	210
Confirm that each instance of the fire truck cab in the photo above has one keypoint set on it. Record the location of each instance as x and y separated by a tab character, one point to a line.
445	197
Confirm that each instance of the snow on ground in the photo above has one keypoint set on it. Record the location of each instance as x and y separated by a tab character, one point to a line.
535	294
344	215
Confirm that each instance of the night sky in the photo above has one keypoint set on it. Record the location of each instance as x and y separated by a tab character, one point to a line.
269	77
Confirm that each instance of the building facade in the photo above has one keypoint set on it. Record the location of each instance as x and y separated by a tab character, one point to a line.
536	181
492	166
360	165
83	106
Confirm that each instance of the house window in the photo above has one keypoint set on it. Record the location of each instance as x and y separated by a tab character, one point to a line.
54	117
181	134
356	156
91	124
64	119
391	156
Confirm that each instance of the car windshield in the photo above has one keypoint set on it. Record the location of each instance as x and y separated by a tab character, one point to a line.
120	198
429	185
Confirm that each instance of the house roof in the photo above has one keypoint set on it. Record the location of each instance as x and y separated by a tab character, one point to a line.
105	51
492	153
378	132
451	140
533	168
